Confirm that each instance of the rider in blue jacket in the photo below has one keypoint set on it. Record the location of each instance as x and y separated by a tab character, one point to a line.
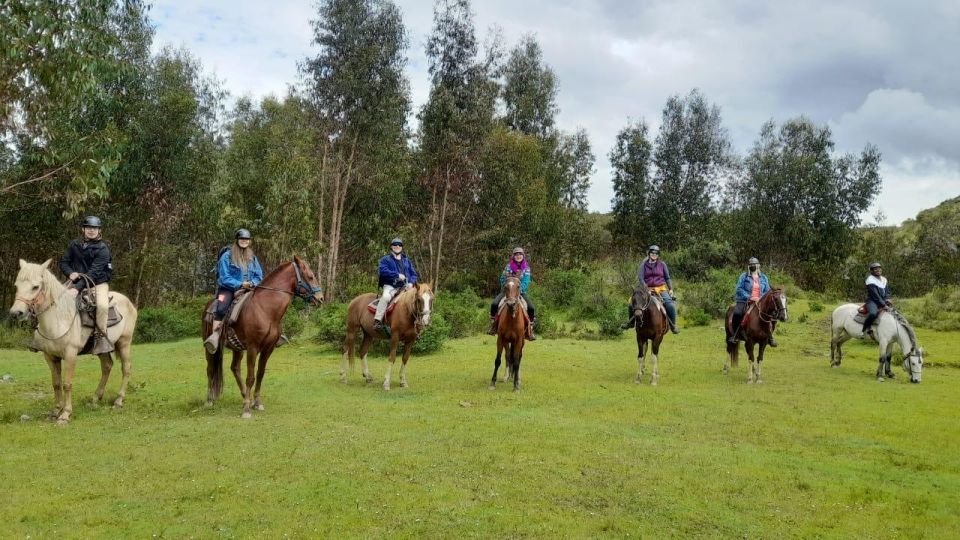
517	266
396	272
238	268
751	285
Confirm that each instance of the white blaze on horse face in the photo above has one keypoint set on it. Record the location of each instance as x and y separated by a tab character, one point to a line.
29	284
783	302
427	299
913	364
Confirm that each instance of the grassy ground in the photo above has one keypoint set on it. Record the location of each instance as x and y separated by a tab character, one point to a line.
581	451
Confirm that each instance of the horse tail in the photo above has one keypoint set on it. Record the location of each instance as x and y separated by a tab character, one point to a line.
733	349
215	372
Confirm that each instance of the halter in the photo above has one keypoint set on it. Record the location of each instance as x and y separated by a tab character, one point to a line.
418	315
35	315
643	308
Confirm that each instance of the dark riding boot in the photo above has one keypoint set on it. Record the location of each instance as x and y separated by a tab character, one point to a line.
212	343
735	326
493	326
530	336
772	342
101	344
627	325
673	326
377	324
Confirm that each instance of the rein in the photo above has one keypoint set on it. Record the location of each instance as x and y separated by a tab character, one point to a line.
763	312
302	289
35	315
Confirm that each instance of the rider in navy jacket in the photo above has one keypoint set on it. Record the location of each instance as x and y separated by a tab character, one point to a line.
396	272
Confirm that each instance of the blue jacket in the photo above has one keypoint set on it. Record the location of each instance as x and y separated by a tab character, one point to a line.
524	278
745	286
230	276
391	268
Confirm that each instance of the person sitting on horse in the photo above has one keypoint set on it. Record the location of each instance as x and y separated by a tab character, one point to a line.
517	266
653	273
91	256
396	272
750	287
238	268
877	298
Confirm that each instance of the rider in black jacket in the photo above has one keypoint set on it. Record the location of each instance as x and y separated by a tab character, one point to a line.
91	256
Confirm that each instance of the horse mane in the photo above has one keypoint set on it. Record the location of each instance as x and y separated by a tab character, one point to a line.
408	300
275	271
910	332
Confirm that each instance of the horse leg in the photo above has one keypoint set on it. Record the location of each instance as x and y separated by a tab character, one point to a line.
748	345
252	354
407	349
261	371
517	352
347	353
237	374
655	357
496	363
641	360
364	348
69	364
763	345
55	364
123	351
394	342
106	364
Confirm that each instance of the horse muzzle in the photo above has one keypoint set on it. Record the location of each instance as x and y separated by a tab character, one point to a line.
316	299
18	314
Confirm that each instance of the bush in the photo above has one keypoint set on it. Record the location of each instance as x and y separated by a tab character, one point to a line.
816	307
433	336
562	288
698	317
331	323
294	320
937	310
170	322
15	335
713	296
610	321
696	260
464	312
547	325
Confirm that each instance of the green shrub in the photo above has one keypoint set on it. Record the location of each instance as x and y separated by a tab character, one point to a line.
464	312
294	320
610	321
816	307
433	336
168	323
15	335
547	325
562	288
696	260
698	317
937	310
331	324
713	296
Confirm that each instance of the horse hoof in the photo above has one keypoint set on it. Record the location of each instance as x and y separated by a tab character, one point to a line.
749	381
879	379
118	404
637	381
404	385
653	383
260	407
492	387
208	404
386	387
343	380
246	415
759	381
63	421
834	366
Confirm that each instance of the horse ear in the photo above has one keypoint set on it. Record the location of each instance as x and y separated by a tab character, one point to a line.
46	264
23	264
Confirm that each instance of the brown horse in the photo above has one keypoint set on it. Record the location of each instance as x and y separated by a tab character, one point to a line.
651	324
406	322
512	328
763	315
258	328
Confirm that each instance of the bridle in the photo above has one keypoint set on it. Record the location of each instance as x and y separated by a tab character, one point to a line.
419	313
775	314
302	289
38	299
642	309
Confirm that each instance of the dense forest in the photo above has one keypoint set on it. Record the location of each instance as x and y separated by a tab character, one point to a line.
93	122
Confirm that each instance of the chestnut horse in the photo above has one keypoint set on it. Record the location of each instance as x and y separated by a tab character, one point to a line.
761	317
258	329
651	324
512	330
406	322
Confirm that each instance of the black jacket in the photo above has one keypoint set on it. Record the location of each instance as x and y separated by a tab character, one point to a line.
87	257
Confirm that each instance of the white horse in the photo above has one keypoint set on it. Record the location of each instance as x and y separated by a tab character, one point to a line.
891	328
61	337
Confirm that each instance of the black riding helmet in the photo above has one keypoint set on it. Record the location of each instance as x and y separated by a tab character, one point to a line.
92	221
654	249
243	234
396	242
875	265
753	260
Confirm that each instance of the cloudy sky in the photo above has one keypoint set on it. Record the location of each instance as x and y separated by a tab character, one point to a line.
884	72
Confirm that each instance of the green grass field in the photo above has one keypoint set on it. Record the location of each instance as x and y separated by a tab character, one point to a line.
581	451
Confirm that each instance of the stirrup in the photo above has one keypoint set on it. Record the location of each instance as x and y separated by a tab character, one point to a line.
212	343
101	345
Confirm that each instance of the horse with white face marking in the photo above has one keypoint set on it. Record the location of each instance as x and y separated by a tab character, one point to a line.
891	329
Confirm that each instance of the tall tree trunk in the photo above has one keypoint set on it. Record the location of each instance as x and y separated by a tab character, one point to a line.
143	264
336	218
321	275
443	218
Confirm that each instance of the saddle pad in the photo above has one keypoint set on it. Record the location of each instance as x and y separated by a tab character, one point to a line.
372	306
523	309
860	317
238	301
87	318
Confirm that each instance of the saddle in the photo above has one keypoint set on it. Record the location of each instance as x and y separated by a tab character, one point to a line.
862	314
372	306
87	308
228	336
523	306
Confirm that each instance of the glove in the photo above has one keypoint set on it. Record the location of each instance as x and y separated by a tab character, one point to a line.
247	285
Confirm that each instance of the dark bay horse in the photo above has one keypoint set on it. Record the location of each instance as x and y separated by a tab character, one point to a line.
406	322
761	317
512	330
651	324
258	329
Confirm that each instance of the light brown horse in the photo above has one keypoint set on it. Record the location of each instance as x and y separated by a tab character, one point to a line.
511	330
61	337
651	324
406	322
763	315
258	329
